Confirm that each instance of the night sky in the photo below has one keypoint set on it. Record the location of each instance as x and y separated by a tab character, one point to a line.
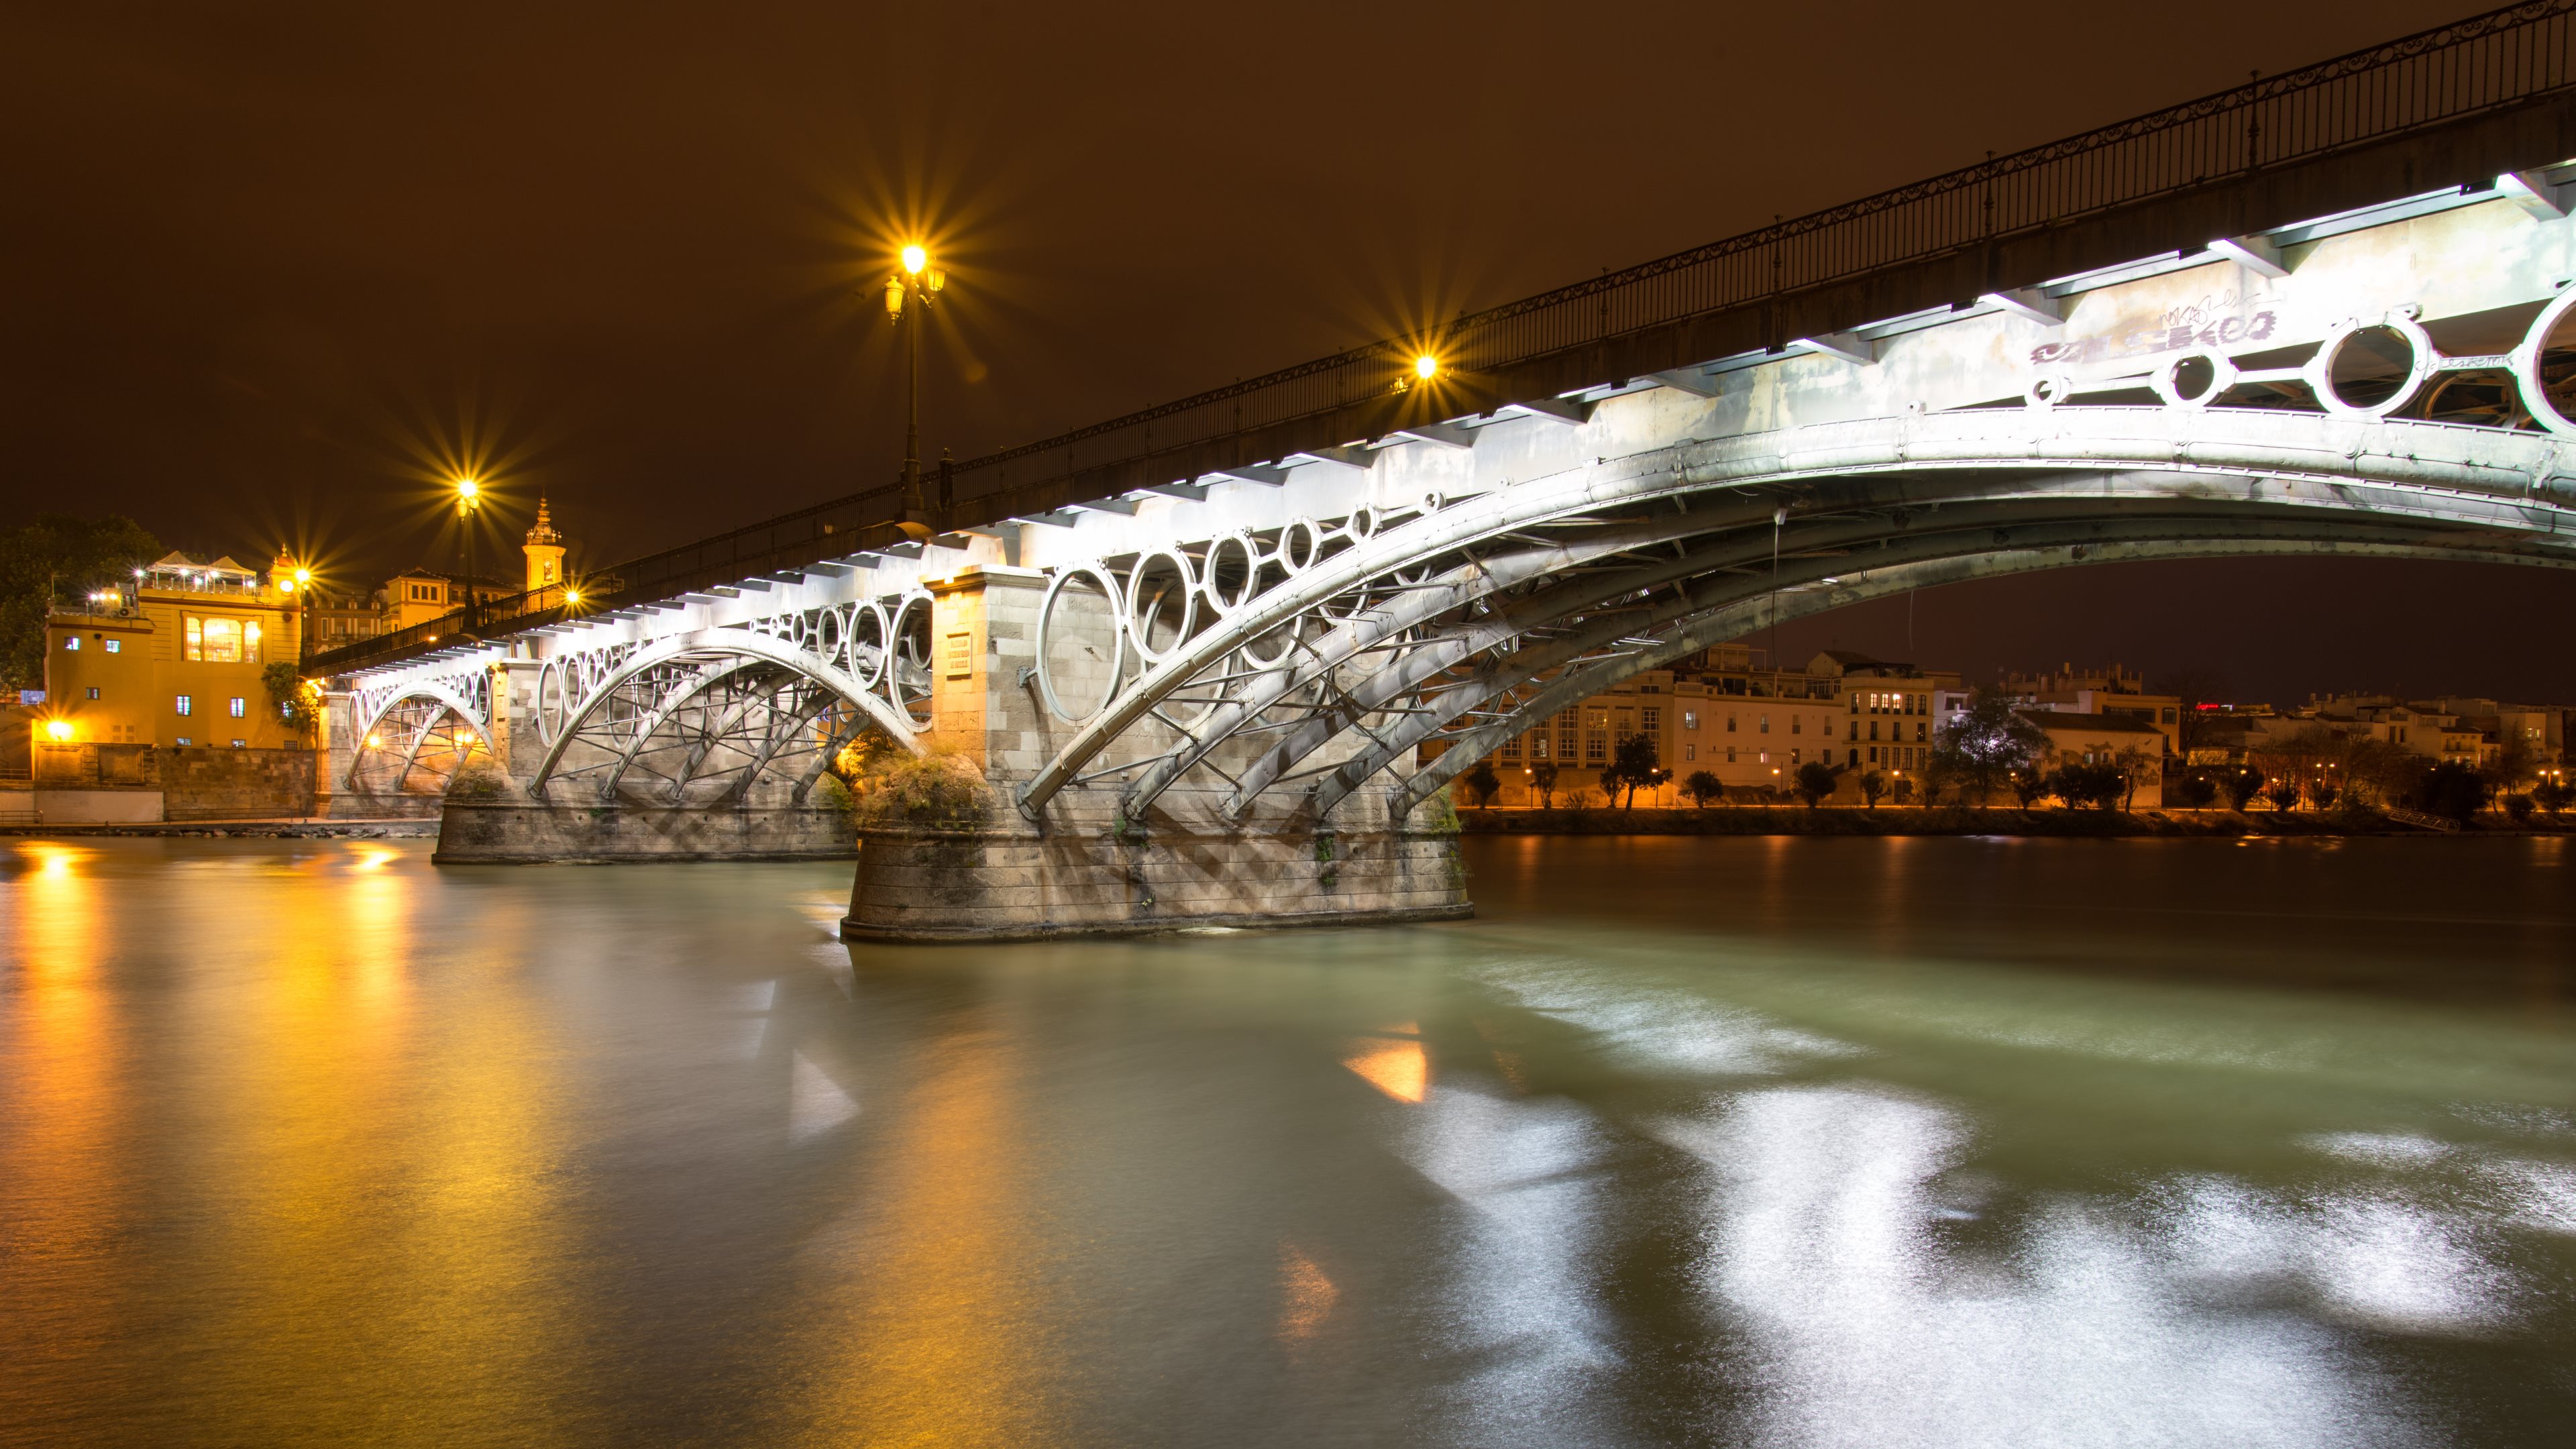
269	272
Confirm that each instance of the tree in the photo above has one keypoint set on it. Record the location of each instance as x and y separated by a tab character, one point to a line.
1633	762
1985	744
2322	791
1482	782
2241	784
1543	780
2283	793
1813	782
1872	785
298	700
2134	764
2195	791
2029	784
1703	787
59	559
2553	794
2513	762
2454	791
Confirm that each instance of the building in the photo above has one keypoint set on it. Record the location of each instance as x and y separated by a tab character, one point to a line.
2116	690
174	659
2113	737
1748	725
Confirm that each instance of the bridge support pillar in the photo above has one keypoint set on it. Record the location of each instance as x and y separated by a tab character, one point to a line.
1083	870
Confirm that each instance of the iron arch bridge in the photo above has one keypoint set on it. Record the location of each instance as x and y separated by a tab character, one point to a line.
1307	661
413	735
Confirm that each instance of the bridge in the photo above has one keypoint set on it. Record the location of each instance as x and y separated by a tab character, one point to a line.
1214	661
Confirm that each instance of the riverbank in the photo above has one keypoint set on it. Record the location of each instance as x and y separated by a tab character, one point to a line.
1907	820
243	829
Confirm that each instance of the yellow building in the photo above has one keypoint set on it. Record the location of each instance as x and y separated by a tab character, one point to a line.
173	657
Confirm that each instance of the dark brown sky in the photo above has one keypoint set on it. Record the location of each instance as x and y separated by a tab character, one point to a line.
265	267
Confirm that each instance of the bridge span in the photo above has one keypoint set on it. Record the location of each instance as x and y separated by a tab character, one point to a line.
1214	662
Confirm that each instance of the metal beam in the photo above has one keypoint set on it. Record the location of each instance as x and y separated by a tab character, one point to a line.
1447	435
2254	253
2533	193
1344	457
1260	473
1841	346
1552	410
2029	304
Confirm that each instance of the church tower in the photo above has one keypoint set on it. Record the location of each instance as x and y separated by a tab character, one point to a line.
545	551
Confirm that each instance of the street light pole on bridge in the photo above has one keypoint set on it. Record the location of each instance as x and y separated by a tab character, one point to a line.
908	295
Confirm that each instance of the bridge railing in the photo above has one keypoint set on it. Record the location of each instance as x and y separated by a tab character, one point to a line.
2486	63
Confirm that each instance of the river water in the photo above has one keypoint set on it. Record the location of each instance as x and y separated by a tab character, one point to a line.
1709	1141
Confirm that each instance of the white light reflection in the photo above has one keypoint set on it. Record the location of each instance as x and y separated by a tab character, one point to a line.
816	1103
1869	1329
1671	1030
1519	1313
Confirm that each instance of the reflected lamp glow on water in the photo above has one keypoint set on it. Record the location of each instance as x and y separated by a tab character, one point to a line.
1789	1142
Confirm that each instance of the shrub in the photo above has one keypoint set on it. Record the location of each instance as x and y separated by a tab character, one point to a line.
2195	791
2519	807
2453	791
2240	785
940	789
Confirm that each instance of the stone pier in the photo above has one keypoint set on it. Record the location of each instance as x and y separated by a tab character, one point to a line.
1082	869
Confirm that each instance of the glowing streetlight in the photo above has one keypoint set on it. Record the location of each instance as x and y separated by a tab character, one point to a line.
469	501
58	729
572	596
908	294
1426	367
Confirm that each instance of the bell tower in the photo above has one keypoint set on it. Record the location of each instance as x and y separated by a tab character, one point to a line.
545	551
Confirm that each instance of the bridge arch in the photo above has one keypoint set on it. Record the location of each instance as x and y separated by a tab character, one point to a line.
425	710
753	697
1406	605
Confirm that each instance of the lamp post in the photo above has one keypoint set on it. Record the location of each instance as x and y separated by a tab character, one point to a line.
469	499
908	295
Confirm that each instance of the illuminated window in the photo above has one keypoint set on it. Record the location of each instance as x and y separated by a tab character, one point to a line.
1538	744
93	691
241	707
72	643
115	646
250	642
1690	752
241	744
183	739
1690	719
223	641
1766	725
195	646
185	706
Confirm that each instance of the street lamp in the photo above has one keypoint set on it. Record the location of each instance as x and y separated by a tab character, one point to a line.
908	295
469	500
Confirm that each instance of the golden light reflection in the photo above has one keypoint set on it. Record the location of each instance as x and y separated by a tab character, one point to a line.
388	1187
1397	1068
1306	1295
938	1333
62	1197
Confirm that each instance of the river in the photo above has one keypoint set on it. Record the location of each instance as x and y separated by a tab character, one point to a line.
1682	1141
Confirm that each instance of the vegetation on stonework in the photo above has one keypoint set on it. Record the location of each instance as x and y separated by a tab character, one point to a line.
59	560
938	789
1438	815
298	700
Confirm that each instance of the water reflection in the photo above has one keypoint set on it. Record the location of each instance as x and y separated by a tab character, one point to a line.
1931	1142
